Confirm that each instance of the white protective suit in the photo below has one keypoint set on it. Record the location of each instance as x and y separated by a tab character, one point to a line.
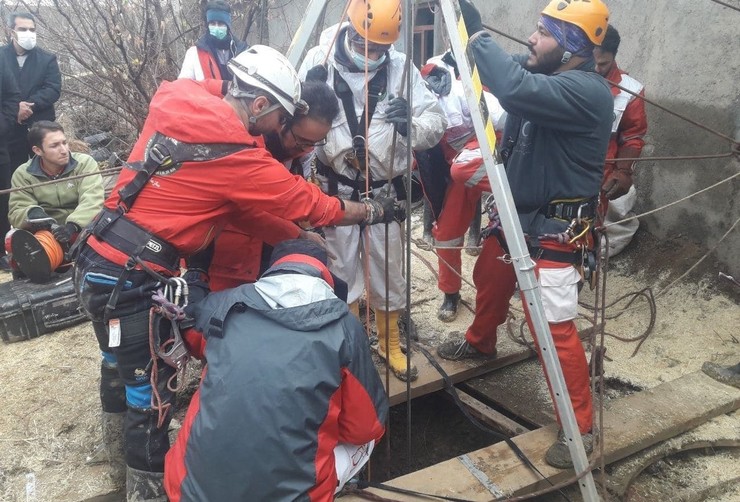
426	130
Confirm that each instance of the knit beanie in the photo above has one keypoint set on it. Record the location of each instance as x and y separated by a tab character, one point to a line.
218	10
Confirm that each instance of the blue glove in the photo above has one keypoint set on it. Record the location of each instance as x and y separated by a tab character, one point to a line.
397	114
471	16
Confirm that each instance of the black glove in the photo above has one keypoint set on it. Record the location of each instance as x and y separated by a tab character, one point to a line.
197	287
318	73
36	213
471	16
37	219
383	210
64	234
396	114
202	259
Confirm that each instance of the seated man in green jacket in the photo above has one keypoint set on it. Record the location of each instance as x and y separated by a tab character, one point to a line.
61	208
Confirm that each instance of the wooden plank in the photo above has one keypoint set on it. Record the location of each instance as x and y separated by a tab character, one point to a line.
631	424
431	381
519	389
491	417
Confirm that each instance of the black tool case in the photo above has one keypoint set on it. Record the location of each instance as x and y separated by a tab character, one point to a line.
29	310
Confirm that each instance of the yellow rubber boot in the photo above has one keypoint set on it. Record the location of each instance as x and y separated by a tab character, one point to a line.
392	353
354	309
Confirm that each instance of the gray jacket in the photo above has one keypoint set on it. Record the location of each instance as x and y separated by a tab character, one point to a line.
556	135
284	384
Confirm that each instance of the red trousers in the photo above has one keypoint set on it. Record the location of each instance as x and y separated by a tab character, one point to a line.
449	230
469	181
495	282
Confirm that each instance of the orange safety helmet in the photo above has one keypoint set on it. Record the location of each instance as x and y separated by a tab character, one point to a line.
592	16
377	21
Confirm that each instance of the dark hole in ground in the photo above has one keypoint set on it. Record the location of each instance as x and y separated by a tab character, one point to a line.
439	431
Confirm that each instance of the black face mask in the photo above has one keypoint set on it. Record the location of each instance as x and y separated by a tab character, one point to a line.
275	146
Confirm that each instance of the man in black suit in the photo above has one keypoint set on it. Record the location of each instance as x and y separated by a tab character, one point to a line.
39	81
9	99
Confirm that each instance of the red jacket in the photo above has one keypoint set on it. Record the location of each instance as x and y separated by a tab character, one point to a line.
188	207
238	253
630	121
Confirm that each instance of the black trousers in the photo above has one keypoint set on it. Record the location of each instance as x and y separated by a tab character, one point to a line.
128	388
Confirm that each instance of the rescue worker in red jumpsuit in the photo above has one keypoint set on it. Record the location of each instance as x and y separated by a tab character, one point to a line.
461	199
554	146
618	195
205	164
241	247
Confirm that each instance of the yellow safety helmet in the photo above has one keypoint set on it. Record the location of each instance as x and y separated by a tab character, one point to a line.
592	16
377	21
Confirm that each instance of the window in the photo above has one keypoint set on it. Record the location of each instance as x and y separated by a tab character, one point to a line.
423	34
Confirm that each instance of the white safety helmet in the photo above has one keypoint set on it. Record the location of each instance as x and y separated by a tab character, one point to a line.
265	68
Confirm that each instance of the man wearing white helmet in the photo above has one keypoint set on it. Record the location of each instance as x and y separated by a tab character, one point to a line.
363	62
205	163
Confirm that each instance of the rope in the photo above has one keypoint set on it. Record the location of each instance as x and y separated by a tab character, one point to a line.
671	203
675	114
726	5
706	255
111	171
51	247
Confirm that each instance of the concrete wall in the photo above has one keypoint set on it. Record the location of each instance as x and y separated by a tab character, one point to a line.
686	53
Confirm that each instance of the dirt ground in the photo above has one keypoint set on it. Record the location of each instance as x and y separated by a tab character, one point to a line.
49	405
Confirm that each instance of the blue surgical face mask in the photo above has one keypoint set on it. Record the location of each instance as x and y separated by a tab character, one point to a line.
359	61
218	32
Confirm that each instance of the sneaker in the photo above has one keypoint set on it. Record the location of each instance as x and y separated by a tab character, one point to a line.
558	455
729	376
448	311
457	350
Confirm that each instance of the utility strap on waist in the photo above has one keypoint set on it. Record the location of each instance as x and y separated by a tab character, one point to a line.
572	257
126	236
358	186
568	210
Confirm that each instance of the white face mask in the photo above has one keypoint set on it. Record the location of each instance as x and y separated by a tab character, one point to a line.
26	39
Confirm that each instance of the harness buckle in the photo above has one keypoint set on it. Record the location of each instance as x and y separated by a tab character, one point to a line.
159	154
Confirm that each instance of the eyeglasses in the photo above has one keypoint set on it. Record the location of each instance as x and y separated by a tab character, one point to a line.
305	143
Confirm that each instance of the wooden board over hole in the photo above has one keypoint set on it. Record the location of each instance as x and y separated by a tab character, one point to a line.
631	424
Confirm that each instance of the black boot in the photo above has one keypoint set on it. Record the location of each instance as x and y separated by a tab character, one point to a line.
113	443
448	311
143	486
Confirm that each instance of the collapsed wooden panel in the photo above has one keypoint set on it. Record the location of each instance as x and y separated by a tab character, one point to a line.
632	423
